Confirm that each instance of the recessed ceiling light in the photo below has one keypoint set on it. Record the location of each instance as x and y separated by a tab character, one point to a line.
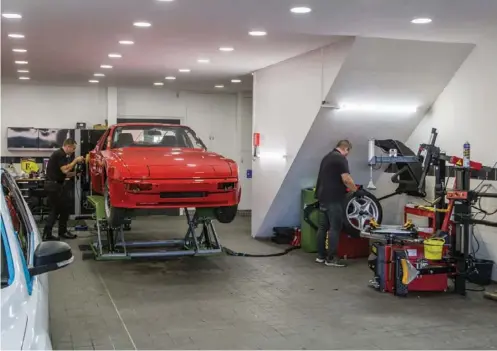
23	71
142	24
24	78
99	75
170	78
158	83
236	81
184	70
115	55
165	0
21	62
220	86
126	42
203	60
421	20
106	66
301	9
93	81
19	50
11	15
226	48
16	35
257	33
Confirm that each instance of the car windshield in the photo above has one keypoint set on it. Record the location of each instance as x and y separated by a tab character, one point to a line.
155	136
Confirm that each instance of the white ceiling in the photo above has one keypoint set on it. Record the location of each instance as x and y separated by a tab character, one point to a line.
68	40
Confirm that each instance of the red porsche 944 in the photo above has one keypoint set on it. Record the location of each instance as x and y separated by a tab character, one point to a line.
159	166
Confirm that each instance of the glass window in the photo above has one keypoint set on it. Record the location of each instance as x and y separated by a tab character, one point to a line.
155	136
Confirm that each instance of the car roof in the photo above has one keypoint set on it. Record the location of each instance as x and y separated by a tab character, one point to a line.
138	124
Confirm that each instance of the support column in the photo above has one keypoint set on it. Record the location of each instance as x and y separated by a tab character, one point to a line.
111	105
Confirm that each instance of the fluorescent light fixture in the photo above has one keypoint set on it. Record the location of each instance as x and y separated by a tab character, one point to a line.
16	35
300	9
24	78
21	62
372	108
11	15
99	75
158	83
142	24
170	78
106	66
236	81
115	55
421	20
93	81
19	50
22	71
272	155
203	60
165	0
219	86
257	33
126	42
226	48
184	70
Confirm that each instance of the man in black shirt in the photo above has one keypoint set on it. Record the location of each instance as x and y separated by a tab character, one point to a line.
59	168
331	187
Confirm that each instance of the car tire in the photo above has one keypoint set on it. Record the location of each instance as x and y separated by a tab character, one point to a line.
115	216
369	206
226	214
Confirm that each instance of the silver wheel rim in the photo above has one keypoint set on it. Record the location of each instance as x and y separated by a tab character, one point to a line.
107	201
360	211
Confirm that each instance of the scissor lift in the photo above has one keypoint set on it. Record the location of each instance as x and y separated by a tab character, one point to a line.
200	240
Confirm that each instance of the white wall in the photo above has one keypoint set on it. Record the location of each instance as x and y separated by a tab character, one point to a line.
287	98
244	131
214	117
466	111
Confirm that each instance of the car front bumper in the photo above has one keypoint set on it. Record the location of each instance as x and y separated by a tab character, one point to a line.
175	193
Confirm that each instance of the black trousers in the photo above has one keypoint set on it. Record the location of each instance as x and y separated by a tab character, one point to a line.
330	221
59	202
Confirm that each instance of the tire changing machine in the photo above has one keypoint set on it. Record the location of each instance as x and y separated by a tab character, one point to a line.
200	240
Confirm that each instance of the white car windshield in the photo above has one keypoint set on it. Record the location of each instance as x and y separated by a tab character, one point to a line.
155	136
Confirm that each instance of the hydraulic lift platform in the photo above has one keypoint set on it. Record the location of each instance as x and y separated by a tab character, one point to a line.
200	239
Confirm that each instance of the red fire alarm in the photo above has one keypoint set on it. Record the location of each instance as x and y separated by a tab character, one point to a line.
257	139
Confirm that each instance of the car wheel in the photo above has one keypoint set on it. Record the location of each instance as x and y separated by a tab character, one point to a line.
115	216
226	214
359	211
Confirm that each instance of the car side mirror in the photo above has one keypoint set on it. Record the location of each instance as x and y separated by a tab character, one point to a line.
50	256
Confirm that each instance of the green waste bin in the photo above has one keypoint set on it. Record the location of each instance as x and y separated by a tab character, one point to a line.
308	234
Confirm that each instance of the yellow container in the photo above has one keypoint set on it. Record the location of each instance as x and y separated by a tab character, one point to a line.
434	248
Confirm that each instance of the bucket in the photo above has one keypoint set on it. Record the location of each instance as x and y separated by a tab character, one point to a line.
434	248
482	274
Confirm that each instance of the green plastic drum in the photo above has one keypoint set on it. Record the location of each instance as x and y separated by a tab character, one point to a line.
309	237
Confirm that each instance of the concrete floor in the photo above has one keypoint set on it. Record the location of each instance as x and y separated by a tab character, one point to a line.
224	302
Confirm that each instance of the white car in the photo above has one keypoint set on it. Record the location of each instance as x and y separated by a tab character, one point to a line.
25	260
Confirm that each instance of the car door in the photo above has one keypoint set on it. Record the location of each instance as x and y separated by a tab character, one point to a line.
26	239
96	163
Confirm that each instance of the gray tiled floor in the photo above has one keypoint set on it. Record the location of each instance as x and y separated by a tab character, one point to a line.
227	302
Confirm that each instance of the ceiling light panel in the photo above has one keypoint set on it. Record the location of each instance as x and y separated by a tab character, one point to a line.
158	83
236	81
219	86
184	70
12	15
226	48
22	71
93	81
203	60
19	50
170	78
21	62
24	78
257	33
106	66
16	36
301	9
126	42
421	20
99	75
142	24
115	55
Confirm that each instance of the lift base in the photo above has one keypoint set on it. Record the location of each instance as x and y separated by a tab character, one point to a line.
200	239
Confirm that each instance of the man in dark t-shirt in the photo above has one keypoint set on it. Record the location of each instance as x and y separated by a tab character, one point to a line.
331	187
59	168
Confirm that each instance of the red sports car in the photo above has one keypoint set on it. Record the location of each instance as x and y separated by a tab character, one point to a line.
159	166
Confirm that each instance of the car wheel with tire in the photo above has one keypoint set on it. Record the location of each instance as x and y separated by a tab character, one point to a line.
115	216
359	210
226	214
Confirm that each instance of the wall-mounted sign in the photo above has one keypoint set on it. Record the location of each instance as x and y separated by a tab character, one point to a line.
249	174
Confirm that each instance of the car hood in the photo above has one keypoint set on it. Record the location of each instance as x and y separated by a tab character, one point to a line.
167	163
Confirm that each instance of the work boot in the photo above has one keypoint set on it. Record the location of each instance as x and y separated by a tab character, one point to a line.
68	235
49	237
335	262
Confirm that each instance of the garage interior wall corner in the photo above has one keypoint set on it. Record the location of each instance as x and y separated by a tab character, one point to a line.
287	98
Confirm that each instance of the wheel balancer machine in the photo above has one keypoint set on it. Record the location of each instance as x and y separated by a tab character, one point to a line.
402	257
200	239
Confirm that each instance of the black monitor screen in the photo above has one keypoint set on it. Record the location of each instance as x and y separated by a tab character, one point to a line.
22	138
53	138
